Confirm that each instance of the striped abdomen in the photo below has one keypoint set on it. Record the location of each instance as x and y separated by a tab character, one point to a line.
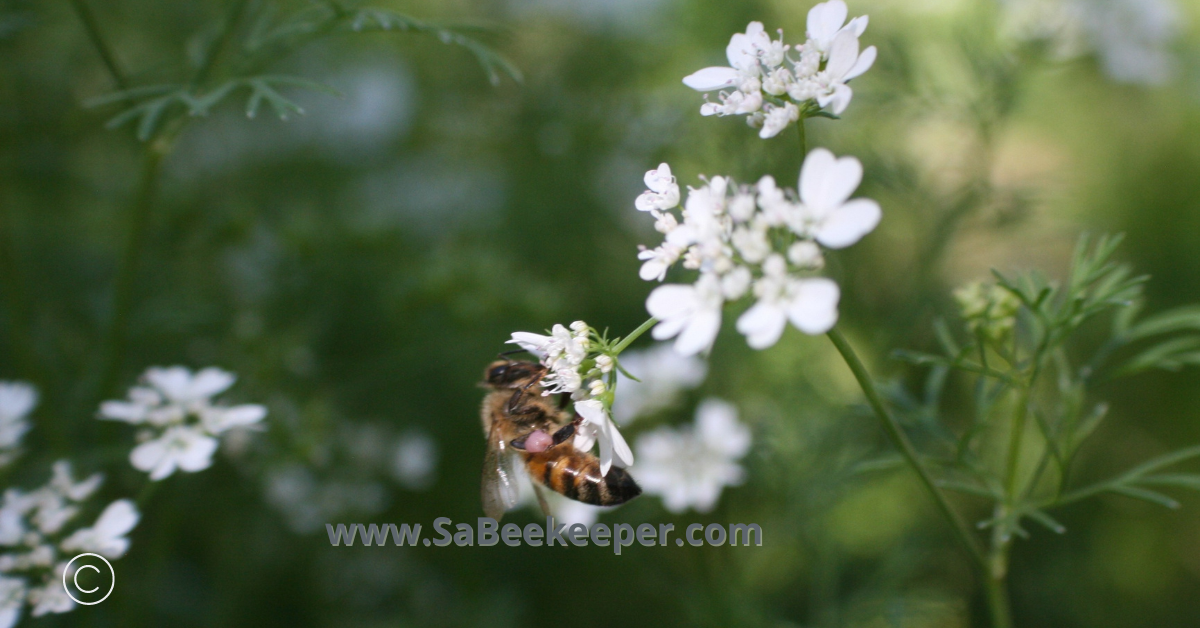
576	475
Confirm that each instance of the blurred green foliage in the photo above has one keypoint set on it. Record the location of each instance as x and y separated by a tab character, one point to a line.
359	265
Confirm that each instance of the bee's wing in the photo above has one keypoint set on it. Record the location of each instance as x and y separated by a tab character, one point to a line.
499	480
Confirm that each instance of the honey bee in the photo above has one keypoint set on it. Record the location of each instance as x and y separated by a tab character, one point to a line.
518	419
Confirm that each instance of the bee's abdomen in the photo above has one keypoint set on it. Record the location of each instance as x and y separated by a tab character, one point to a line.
577	475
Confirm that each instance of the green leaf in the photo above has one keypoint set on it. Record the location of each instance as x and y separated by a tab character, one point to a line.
1170	355
1182	480
1146	495
1165	460
1178	319
1045	519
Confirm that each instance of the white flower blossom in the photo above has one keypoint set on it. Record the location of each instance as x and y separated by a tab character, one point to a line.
183	418
107	536
663	193
51	597
690	314
816	78
689	467
826	184
761	237
12	600
598	427
178	447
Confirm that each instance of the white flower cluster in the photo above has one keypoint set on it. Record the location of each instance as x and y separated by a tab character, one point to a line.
575	367
180	419
17	400
760	239
33	526
690	466
775	89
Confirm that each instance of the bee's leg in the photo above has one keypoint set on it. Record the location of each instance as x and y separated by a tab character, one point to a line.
541	500
515	407
565	432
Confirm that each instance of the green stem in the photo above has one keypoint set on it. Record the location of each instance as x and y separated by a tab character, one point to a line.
221	47
1014	444
106	55
802	136
900	440
112	347
633	335
998	602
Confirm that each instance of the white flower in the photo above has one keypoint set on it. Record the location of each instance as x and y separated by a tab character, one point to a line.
844	64
825	23
17	400
826	183
51	598
658	261
179	385
810	304
107	536
536	344
414	463
217	420
182	418
12	599
663	375
663	193
689	467
597	426
777	119
182	447
743	54
138	409
690	314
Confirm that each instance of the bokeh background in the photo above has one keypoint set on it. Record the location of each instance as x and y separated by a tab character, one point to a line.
359	265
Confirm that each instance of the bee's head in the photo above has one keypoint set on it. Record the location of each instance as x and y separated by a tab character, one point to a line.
505	373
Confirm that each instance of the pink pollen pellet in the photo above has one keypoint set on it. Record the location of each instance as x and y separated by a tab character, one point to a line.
538	442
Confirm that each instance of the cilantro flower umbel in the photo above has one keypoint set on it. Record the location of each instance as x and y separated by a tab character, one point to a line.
759	240
774	88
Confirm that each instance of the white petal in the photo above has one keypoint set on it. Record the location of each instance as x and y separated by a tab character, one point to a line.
858	25
700	332
172	382
762	324
210	381
533	343
197	456
710	79
840	98
123	411
813	309
825	19
218	420
117	519
849	223
166	466
670	301
148	455
865	60
843	53
826	182
653	270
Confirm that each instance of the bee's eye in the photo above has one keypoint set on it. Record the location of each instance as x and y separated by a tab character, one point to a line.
496	375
